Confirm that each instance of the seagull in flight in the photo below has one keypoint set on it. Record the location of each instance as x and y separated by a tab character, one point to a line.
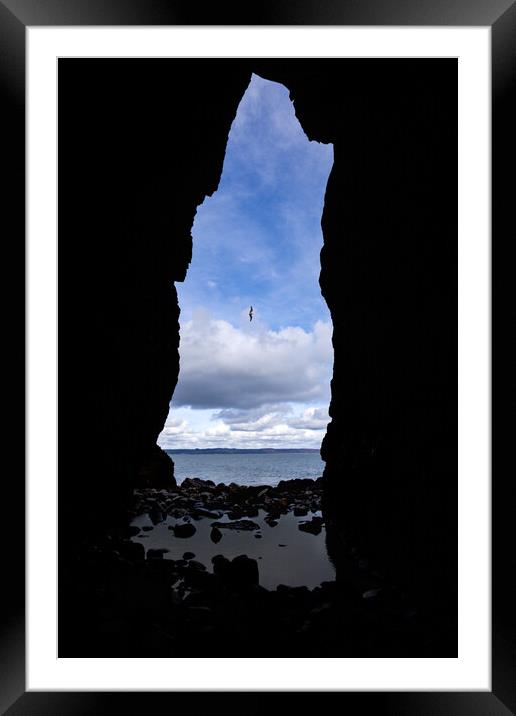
251	313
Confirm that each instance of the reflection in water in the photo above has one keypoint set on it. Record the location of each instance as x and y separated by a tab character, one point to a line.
301	560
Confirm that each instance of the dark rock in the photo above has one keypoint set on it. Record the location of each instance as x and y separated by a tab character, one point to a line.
245	570
314	527
133	551
300	511
203	580
184	530
156	516
132	531
201	512
147	528
215	535
243	525
188	555
296	485
241	572
284	589
371	593
221	565
156	553
157	470
198	566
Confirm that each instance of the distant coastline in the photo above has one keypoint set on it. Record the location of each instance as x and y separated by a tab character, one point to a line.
237	451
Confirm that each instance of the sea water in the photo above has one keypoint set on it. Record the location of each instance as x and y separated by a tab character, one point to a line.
248	468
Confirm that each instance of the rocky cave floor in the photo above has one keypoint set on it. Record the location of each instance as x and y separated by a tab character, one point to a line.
119	599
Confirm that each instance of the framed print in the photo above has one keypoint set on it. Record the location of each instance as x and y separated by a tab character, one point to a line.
274	348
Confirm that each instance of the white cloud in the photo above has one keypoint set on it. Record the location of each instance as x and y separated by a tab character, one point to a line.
233	416
280	425
227	367
311	419
285	425
175	427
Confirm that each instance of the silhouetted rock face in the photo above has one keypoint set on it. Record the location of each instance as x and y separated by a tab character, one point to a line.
157	470
389	276
141	144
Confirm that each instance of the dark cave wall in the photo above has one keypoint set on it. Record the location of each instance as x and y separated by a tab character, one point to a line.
140	147
389	276
141	144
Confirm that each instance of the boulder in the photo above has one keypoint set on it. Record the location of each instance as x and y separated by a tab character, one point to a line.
156	516
241	572
197	566
184	530
157	470
244	571
314	526
221	565
215	535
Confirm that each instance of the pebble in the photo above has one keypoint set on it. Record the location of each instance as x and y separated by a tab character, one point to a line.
371	593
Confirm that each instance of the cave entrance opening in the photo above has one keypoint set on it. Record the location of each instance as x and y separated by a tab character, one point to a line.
256	380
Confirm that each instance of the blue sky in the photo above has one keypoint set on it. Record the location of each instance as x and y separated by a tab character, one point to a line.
256	242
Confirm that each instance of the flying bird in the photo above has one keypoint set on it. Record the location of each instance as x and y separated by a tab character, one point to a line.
251	313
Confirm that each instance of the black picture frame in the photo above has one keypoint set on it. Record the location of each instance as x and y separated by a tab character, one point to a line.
15	17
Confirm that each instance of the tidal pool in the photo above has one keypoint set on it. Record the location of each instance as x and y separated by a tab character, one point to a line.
285	555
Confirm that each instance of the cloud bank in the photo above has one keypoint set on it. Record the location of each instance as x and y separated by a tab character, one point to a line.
227	367
281	426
